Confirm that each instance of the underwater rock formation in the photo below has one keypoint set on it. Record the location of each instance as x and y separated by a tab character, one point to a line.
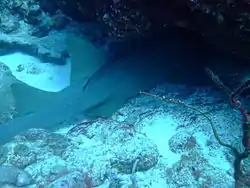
224	23
25	27
14	176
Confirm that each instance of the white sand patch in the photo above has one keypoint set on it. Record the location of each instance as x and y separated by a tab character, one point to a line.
32	71
160	130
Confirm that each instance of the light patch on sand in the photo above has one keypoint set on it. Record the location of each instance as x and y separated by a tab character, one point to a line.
32	71
160	130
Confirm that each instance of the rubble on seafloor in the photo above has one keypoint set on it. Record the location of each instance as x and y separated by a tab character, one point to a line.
147	143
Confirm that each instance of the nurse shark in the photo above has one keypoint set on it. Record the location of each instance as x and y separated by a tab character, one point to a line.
99	86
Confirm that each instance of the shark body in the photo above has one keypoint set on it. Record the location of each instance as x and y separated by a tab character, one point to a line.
98	88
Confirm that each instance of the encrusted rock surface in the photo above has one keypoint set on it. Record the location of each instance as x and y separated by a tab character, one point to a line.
224	23
25	27
147	143
51	48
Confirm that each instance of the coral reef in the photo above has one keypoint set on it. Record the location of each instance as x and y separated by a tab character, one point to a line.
14	176
25	27
147	143
224	23
140	146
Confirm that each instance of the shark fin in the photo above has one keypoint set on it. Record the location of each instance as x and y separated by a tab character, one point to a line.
86	58
30	100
